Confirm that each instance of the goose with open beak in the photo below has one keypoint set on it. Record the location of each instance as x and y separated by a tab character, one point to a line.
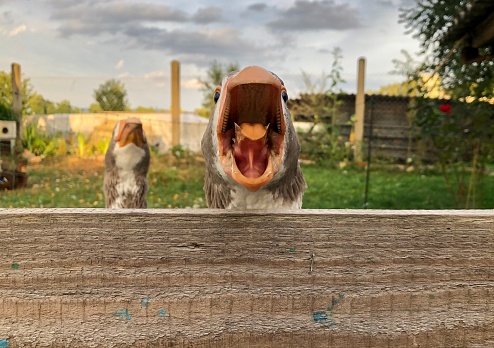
126	166
250	146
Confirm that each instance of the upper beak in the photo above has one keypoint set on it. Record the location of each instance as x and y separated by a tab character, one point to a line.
251	101
130	132
254	96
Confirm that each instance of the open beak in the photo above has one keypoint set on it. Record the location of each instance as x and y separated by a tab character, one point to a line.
251	127
130	132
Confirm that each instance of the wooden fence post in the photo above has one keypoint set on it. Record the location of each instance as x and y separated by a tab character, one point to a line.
17	99
175	104
359	111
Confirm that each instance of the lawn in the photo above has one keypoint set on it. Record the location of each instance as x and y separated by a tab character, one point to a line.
389	188
177	183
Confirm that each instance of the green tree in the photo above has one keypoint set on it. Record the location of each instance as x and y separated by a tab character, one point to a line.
395	89
6	113
429	20
112	96
95	108
461	129
213	78
6	92
432	88
405	67
64	107
319	103
41	106
145	109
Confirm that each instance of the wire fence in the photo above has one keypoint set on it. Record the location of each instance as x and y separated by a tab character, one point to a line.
387	123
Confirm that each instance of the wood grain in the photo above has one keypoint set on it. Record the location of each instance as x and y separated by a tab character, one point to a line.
214	278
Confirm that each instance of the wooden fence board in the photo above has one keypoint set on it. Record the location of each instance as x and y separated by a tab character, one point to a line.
215	278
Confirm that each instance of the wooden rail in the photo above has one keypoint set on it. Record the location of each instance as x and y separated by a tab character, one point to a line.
211	278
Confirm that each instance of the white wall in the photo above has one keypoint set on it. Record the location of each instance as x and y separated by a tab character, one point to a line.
158	126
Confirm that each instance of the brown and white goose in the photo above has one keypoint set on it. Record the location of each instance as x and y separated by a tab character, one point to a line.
250	145
126	166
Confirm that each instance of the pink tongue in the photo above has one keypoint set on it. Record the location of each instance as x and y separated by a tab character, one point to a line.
251	156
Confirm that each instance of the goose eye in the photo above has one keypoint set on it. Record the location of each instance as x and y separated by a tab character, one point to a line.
284	95
216	96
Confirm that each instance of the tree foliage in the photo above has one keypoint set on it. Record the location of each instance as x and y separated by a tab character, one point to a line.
394	89
319	103
432	88
94	108
405	67
32	102
6	98
64	107
112	96
462	128
429	21
213	78
146	109
40	105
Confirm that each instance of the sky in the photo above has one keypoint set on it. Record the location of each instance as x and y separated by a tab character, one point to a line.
67	48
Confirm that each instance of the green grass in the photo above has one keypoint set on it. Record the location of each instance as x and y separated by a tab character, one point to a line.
177	183
388	189
70	184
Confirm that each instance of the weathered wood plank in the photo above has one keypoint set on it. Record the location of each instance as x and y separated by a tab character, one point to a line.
211	278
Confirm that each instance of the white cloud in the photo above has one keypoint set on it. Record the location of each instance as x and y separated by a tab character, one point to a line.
158	78
284	36
191	84
156	75
307	15
207	15
120	64
18	30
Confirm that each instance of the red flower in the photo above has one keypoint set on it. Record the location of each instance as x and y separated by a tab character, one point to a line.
445	108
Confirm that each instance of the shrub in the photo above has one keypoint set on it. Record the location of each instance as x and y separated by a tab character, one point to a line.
6	113
36	141
462	136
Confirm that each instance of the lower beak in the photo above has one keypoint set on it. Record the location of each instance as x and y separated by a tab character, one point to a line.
253	184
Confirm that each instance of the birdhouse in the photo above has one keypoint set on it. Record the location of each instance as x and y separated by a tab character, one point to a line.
8	130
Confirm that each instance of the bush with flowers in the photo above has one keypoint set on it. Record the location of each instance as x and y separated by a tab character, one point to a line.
462	136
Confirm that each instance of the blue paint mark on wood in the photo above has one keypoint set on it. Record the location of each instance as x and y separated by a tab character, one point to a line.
4	344
320	316
123	313
145	301
161	313
324	316
14	266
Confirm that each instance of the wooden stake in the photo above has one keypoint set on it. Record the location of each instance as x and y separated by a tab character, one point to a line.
17	98
175	107
359	111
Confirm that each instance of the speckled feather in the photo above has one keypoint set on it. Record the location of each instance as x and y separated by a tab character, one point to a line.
134	199
126	187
